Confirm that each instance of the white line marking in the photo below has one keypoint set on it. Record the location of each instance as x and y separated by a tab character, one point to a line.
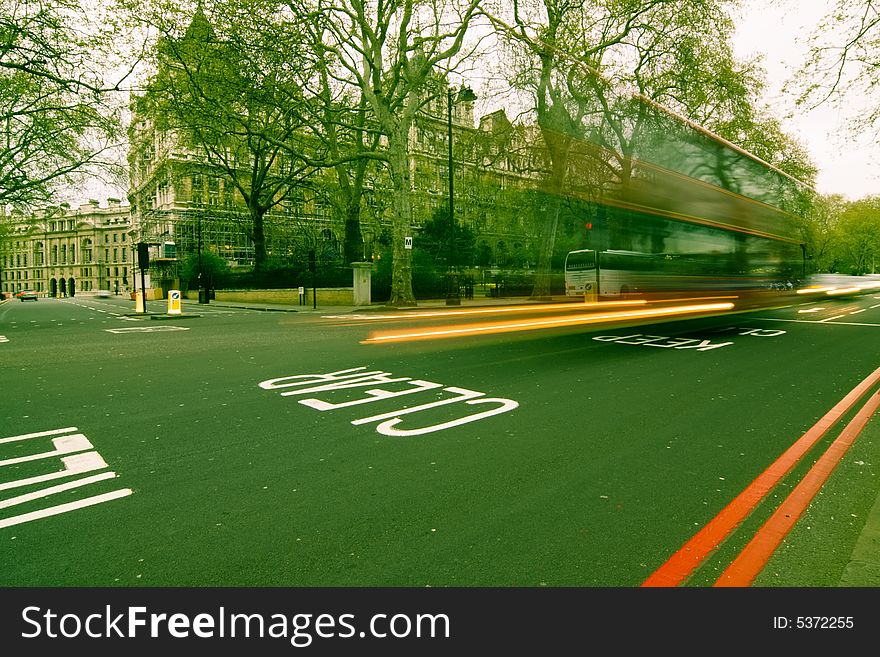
856	312
147	329
60	488
73	465
39	434
809	321
828	319
64	445
875	306
64	508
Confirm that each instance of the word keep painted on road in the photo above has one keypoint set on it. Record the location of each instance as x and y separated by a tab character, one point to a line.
358	377
697	344
76	456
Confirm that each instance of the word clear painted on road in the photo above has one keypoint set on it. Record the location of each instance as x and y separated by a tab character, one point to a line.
698	344
45	450
147	329
358	377
3	338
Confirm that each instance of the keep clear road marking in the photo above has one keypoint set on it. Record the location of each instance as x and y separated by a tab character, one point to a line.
77	457
3	338
147	329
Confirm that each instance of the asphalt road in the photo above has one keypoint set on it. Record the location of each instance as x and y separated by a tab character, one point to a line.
272	449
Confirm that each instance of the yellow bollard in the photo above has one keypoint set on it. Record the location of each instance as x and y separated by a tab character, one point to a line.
174	302
139	302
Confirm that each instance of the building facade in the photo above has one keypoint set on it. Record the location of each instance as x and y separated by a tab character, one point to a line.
63	251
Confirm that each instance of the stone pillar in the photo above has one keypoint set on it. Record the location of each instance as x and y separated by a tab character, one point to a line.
363	272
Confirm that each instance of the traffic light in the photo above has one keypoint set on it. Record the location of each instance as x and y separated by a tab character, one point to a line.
143	255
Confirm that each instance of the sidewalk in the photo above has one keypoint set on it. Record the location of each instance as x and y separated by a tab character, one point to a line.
374	307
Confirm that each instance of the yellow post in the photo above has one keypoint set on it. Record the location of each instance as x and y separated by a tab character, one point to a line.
174	302
139	302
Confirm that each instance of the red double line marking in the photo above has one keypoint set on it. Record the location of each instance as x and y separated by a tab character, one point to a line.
688	558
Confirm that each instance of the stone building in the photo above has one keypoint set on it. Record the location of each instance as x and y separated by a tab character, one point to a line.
62	251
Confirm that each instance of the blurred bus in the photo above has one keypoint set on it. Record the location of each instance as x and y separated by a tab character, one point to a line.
614	273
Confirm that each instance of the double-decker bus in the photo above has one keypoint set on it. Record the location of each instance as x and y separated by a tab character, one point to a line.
679	210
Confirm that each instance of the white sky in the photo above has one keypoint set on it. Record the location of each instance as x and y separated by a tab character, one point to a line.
779	30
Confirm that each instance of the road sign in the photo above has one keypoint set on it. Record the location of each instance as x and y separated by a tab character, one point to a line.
407	242
173	302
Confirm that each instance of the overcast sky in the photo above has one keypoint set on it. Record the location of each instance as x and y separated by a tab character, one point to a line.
779	30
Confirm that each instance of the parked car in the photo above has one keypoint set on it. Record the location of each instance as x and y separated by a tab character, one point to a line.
27	295
103	294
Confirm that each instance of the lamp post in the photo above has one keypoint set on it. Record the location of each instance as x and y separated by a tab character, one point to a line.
203	288
453	296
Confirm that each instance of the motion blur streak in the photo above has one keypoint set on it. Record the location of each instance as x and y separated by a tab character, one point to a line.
511	309
550	322
814	290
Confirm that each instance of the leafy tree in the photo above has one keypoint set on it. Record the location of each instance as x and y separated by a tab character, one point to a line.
446	243
212	267
232	88
58	115
857	236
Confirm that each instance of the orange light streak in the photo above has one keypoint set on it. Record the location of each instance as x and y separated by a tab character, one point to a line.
511	309
549	322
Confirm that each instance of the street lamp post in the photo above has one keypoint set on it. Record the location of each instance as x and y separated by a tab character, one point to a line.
453	295
203	289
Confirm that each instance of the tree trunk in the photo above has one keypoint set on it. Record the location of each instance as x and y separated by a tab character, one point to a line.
354	243
259	237
401	201
558	147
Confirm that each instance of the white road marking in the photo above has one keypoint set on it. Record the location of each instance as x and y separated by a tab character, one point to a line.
60	488
813	321
3	338
73	465
147	329
39	434
64	508
856	312
828	319
64	445
357	377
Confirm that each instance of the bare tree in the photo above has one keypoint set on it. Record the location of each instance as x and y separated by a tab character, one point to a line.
844	60
392	52
59	115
